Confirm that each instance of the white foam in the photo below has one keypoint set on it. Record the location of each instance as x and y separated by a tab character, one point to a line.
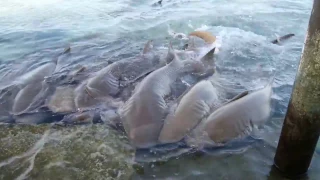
203	27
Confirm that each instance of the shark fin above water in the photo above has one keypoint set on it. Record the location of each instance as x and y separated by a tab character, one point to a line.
280	39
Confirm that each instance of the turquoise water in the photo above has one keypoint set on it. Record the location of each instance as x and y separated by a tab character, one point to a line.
33	31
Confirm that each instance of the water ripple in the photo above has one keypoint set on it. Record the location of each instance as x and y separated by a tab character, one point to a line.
104	31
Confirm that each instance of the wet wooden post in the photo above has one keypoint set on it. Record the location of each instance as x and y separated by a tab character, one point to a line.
301	127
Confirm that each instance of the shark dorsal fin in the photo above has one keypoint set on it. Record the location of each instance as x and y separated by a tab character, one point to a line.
65	51
176	60
207	58
170	54
148	47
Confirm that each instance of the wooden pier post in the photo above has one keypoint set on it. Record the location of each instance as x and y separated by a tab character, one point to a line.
301	127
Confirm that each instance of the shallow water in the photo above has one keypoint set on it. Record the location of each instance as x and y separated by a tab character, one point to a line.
99	31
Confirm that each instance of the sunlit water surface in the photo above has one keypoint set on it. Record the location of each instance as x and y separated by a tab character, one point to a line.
33	31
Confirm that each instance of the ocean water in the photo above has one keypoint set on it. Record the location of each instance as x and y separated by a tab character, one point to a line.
33	31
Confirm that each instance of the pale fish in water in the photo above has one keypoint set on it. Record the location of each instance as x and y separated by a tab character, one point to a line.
105	84
195	105
142	115
234	120
62	101
25	97
31	84
58	91
39	73
14	97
